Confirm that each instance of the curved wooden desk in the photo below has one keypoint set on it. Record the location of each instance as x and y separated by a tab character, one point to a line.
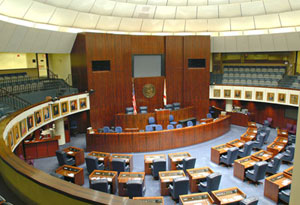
157	140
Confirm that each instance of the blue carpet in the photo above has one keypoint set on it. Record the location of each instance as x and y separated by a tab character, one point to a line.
200	151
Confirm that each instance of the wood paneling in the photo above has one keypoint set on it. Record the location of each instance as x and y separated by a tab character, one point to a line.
196	80
113	89
157	140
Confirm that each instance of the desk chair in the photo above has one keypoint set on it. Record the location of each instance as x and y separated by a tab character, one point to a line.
119	165
284	195
158	128
135	188
187	163
171	120
101	185
151	120
246	150
230	157
149	128
178	126
179	186
143	109
258	172
157	166
170	127
118	129
129	110
106	129
92	164
63	159
249	201
288	155
274	164
212	183
189	123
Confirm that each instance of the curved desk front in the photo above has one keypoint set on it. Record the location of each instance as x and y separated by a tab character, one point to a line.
157	140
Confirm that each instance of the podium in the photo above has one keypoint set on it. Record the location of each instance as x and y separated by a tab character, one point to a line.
162	117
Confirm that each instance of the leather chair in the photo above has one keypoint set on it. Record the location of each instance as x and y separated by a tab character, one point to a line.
267	131
187	163
106	129
92	164
208	115
176	106
169	106
101	185
246	150
157	166
135	188
178	126
211	183
171	120
55	175
118	129
119	165
129	110
179	186
170	127
143	109
249	201
158	128
230	157
274	164
149	128
284	195
189	123
151	120
258	172
260	141
288	154
63	159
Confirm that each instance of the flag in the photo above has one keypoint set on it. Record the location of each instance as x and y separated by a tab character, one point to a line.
133	100
165	92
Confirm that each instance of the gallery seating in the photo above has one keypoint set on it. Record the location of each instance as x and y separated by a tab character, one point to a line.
135	188
187	163
157	166
258	172
232	154
92	164
180	186
178	126
119	165
288	154
274	164
101	185
63	159
211	183
246	150
149	128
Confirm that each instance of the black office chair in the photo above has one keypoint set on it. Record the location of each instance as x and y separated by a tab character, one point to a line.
249	201
119	165
284	195
211	183
101	185
129	110
63	159
92	164
288	154
187	163
171	120
135	188
258	172
157	166
274	164
230	157
179	186
246	150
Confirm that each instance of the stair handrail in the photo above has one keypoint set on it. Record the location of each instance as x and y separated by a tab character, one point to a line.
13	100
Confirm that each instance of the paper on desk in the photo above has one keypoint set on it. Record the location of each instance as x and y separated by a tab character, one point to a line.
252	163
70	174
286	182
284	141
280	146
70	152
265	155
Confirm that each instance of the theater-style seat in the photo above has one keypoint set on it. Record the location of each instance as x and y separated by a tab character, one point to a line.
92	164
119	165
157	166
179	186
211	183
258	172
274	164
170	127
178	126
187	163
63	159
135	188
101	185
230	157
151	120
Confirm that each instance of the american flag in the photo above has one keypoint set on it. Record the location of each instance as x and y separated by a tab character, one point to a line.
133	100
165	92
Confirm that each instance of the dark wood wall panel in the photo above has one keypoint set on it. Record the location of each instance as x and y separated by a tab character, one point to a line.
174	68
261	111
157	100
196	80
147	45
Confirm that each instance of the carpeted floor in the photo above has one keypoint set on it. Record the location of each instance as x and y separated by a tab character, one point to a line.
200	151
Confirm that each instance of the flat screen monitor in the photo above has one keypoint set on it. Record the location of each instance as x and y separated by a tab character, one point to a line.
148	66
197	63
103	65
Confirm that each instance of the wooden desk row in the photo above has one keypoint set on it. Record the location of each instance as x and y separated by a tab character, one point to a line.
157	140
276	182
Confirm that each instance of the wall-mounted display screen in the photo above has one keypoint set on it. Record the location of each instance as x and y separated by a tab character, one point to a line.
148	66
101	65
196	63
